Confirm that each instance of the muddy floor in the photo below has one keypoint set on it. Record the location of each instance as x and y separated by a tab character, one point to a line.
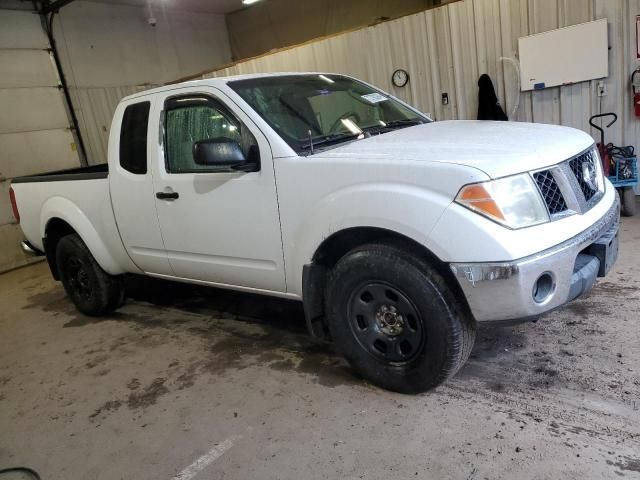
188	382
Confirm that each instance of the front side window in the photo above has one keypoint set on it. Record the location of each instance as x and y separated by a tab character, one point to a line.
189	120
323	110
133	138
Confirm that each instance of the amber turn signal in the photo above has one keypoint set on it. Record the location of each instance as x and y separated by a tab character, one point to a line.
476	197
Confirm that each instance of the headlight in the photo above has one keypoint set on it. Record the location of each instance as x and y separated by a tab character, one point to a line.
599	173
511	201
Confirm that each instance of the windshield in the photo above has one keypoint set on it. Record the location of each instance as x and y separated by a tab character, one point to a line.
316	111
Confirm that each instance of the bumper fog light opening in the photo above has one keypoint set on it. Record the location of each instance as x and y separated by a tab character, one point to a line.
544	287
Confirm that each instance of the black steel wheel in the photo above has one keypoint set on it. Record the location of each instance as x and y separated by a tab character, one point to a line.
395	319
93	291
385	322
78	276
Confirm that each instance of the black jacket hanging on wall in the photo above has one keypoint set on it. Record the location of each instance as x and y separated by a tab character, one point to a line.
488	106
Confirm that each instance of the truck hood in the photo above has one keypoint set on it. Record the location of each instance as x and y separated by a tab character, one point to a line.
496	148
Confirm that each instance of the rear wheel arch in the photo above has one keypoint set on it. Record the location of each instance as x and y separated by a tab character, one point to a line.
58	226
336	246
54	231
60	217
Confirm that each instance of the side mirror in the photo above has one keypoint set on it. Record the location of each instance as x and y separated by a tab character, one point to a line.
221	152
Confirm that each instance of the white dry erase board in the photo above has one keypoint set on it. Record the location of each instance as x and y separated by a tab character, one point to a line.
564	56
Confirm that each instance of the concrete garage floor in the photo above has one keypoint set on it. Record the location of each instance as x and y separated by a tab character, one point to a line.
182	373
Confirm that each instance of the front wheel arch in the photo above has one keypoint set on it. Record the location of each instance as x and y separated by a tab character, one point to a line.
334	247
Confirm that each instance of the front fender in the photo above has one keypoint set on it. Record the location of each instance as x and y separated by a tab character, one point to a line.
405	209
64	209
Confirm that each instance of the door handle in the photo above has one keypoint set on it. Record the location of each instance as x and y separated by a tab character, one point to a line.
167	195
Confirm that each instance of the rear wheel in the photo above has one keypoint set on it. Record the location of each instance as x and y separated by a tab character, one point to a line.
93	291
628	202
395	320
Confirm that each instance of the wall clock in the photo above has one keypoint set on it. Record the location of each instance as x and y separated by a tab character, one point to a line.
400	78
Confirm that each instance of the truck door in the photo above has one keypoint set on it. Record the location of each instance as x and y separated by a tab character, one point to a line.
218	226
132	193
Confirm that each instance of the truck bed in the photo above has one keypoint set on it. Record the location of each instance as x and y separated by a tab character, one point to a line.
81	173
79	197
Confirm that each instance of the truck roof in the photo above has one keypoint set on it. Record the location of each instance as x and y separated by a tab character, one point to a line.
217	82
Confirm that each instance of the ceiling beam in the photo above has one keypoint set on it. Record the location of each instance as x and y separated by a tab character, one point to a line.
48	7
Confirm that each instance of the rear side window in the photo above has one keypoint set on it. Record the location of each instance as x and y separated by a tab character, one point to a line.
133	138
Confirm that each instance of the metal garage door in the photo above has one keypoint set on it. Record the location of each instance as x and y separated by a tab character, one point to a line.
34	127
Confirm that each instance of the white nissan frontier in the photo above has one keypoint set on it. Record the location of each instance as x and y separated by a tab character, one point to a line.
398	234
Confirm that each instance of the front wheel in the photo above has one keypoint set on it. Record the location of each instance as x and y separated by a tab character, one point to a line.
395	320
93	291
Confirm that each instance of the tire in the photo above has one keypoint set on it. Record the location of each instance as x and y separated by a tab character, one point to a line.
395	320
628	202
93	291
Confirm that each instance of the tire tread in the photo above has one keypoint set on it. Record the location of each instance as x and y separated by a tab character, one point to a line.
463	329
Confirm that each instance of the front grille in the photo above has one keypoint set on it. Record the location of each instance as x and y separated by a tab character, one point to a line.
550	191
584	166
572	186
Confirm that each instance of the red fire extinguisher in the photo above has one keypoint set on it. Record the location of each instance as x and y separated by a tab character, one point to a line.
635	86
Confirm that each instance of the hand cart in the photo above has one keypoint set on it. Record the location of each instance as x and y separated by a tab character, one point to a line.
620	166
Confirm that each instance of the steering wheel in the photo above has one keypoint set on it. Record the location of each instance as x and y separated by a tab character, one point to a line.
338	123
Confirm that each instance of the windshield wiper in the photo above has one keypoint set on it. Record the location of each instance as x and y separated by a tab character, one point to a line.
394	125
340	137
407	122
329	139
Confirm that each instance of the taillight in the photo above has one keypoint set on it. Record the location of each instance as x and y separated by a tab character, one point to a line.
14	205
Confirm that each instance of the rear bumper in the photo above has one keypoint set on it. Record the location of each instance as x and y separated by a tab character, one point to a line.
534	285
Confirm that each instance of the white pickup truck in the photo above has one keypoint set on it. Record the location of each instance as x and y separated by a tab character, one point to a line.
398	234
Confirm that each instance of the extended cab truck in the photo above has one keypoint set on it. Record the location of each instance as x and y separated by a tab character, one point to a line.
399	234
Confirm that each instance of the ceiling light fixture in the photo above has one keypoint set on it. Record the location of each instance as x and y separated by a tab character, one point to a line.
249	2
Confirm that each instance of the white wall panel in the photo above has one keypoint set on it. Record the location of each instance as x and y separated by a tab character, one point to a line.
614	100
465	60
6	213
110	51
513	25
414	61
21	30
27	153
34	134
11	255
39	108
104	45
22	68
446	50
444	57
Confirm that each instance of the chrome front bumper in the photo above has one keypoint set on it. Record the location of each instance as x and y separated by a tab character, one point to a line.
506	290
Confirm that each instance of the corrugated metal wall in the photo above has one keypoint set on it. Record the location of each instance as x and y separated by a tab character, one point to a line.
267	26
109	51
94	107
447	48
